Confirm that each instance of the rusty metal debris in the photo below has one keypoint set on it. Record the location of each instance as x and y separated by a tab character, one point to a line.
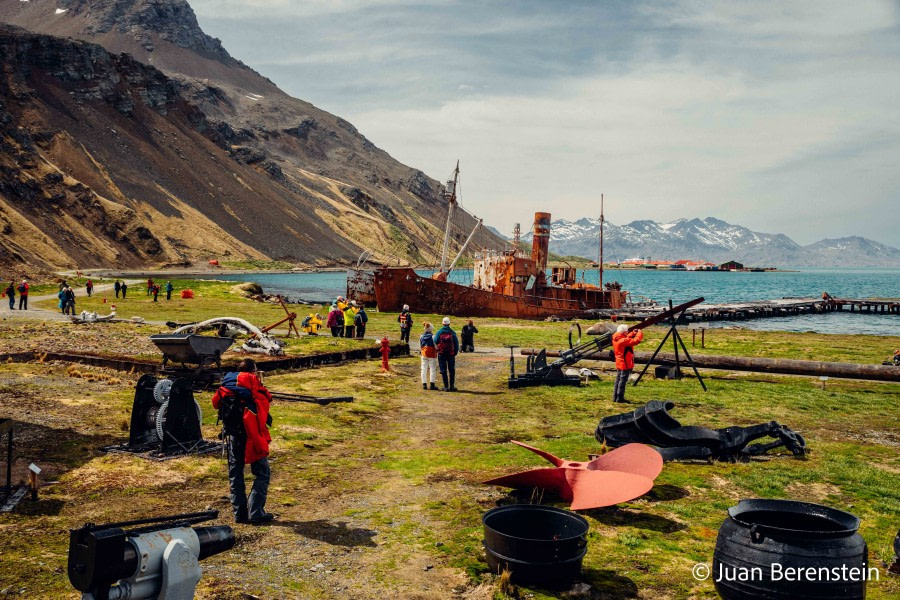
617	476
652	424
539	372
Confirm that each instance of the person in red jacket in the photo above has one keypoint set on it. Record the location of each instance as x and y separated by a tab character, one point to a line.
623	345
243	405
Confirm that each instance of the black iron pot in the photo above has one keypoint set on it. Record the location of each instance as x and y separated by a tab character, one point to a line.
766	548
538	544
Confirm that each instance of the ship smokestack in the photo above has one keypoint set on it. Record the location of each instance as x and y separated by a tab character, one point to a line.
540	244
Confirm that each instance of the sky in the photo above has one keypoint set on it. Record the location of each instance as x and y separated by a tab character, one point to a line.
780	116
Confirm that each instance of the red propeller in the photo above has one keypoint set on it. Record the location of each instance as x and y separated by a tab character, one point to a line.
618	476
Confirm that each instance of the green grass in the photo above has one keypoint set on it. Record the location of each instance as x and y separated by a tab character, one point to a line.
257	265
217	298
431	454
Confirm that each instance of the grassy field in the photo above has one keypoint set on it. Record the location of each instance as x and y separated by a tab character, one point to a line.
382	497
216	298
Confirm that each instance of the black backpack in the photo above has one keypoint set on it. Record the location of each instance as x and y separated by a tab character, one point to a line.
231	413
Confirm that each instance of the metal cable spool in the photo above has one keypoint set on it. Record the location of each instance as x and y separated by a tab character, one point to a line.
161	390
160	417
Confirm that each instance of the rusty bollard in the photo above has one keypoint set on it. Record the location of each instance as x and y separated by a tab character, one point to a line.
385	353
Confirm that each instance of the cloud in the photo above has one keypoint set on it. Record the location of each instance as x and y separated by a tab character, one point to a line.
751	112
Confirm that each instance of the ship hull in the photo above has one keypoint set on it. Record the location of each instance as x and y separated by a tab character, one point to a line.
395	287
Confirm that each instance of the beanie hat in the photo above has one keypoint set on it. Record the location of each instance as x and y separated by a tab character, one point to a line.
446	321
406	307
429	327
622	328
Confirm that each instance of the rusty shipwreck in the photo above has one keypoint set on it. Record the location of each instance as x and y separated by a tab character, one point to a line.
505	283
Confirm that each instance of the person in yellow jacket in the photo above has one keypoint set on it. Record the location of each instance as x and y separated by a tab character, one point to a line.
341	303
312	324
349	319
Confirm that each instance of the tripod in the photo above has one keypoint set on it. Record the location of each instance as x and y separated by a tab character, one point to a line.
676	338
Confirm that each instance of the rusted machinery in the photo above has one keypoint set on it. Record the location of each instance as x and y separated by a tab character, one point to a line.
539	372
165	417
652	424
156	558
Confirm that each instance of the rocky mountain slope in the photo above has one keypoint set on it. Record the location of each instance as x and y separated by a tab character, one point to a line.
713	240
147	143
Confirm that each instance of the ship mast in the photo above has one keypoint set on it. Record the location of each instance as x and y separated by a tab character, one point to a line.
450	196
600	257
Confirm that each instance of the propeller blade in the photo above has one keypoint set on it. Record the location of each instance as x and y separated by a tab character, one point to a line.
554	460
547	478
638	459
595	489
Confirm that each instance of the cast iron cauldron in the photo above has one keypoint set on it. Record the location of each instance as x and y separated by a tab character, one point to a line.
789	535
538	544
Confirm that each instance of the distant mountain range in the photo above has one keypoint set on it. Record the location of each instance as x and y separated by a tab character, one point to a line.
713	240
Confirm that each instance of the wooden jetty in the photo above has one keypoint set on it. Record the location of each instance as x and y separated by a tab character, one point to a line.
761	309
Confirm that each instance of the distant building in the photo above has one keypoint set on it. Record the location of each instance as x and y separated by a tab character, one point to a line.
731	265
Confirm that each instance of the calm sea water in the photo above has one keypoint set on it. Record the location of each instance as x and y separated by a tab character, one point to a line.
660	285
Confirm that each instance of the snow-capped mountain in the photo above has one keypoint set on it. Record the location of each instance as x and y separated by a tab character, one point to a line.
714	240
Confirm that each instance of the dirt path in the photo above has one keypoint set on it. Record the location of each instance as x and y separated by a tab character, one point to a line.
359	530
43	314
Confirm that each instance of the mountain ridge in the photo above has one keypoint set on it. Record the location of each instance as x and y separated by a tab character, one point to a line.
163	128
714	240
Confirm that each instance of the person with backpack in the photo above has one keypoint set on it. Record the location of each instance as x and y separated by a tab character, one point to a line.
335	321
124	289
23	295
429	357
311	324
62	300
360	320
89	287
447	348
70	302
117	287
11	294
169	289
149	286
623	343
243	404
155	291
406	322
468	337
349	320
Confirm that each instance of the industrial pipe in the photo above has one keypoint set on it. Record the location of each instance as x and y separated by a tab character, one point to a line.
781	366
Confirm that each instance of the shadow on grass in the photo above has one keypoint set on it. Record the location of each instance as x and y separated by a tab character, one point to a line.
642	520
334	533
55	451
665	492
609	584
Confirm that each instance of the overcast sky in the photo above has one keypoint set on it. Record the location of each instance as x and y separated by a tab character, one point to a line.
780	116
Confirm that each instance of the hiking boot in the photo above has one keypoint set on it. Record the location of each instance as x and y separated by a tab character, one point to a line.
433	387
453	389
262	520
424	386
446	389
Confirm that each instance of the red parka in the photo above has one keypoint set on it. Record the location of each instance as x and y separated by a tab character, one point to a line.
623	346
258	437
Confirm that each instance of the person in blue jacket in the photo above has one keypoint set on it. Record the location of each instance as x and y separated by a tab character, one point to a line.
447	348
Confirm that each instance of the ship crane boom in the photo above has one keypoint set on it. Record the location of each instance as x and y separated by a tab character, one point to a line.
466	245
